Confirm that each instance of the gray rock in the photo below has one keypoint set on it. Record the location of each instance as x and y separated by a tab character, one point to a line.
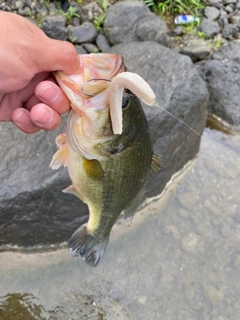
235	19
55	27
226	2
128	21
238	5
80	49
152	28
229	9
41	9
211	13
196	50
90	48
102	43
221	74
179	90
178	31
90	11
210	28
223	19
76	21
51	8
213	3
230	31
33	210
84	33
24	9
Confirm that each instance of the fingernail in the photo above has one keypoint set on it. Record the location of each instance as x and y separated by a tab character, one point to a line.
48	93
22	118
44	117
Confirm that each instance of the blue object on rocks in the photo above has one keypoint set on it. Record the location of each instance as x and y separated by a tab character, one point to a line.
185	19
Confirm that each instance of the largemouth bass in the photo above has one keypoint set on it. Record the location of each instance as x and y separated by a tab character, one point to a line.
107	147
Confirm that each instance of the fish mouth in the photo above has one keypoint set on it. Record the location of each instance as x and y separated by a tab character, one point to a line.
95	71
99	85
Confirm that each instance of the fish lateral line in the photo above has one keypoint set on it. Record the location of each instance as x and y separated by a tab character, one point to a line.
194	131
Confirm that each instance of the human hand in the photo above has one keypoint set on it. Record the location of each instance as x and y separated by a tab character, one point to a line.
29	95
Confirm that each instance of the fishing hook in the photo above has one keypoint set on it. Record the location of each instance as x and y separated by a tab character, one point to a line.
94	79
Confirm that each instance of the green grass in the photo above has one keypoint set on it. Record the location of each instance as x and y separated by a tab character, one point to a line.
174	7
99	21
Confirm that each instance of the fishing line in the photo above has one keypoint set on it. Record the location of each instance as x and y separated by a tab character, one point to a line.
198	134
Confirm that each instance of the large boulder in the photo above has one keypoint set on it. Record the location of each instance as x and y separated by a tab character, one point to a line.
34	211
179	90
221	74
129	21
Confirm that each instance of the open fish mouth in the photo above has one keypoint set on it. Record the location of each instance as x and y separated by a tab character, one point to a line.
100	84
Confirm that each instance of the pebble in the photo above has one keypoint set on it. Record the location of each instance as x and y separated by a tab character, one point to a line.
225	2
142	299
211	13
214	295
90	48
229	9
85	33
189	199
189	243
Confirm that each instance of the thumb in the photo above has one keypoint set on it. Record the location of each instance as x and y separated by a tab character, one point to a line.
59	55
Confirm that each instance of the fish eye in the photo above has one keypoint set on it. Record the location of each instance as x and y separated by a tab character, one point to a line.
126	99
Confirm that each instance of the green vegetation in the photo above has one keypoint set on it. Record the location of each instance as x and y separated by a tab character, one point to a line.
166	8
202	35
70	14
99	21
179	6
217	44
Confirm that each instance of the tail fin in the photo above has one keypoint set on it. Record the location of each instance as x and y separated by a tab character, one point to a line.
87	246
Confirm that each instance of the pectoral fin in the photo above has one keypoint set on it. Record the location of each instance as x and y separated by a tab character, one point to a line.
60	157
93	169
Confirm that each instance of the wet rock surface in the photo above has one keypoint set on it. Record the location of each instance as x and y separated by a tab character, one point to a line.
221	74
33	210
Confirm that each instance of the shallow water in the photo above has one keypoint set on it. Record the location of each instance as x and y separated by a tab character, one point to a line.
178	259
